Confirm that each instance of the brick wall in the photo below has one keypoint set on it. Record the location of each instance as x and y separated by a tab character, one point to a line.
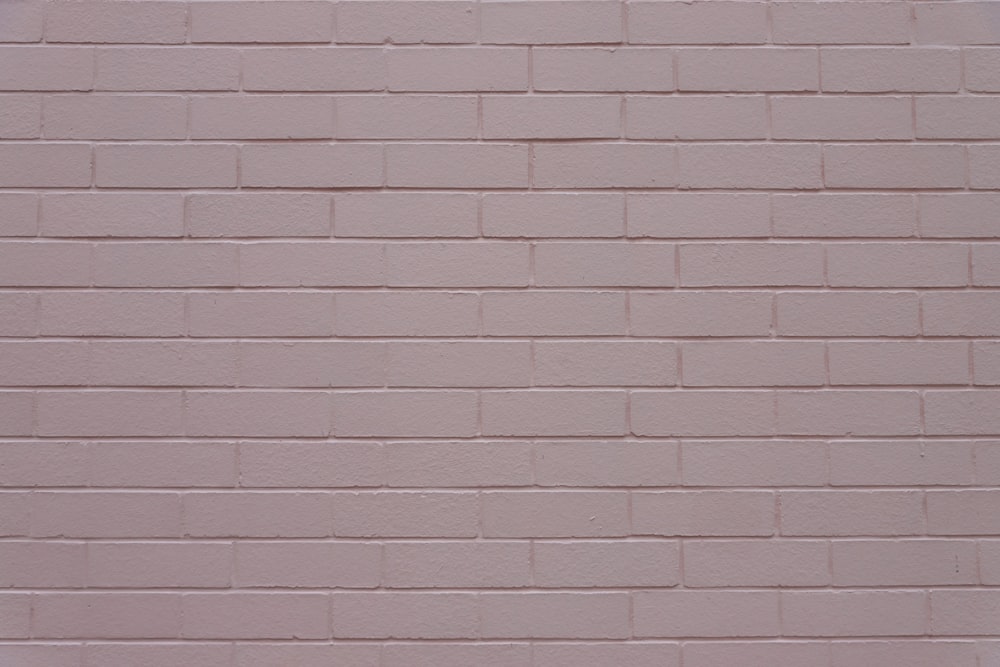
500	333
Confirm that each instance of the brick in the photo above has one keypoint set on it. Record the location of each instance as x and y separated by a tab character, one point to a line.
604	264
636	654
407	117
405	615
700	413
904	463
981	70
161	464
700	23
506	654
155	655
45	165
401	514
115	117
915	652
307	564
698	215
834	513
405	414
261	654
724	563
407	314
739	364
109	413
587	463
964	612
984	167
16	517
260	314
701	513
107	615
961	313
253	514
903	563
605	363
50	463
531	413
112	215
494	564
42	655
116	22
891	265
478	69
30	264
604	166
599	70
961	412
312	364
405	215
164	166
20	116
551	117
259	22
19	214
38	564
553	313
311	265
943	117
755	654
836	314
989	558
754	463
850	215
311	165
457	165
314	69
700	314
607	564
17	413
556	215
310	464
985	263
258	214
840	23
21	21
851	118
112	514
158	565
893	167
255	616
899	362
46	67
890	70
696	116
750	166
706	614
262	117
405	23
555	514
458	464
168	69
965	23
563	22
986	362
457	264
161	363
750	264
167	264
735	69
555	615
854	613
987	461
257	413
845	412
459	364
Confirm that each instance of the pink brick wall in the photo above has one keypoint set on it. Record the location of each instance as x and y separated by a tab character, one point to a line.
584	332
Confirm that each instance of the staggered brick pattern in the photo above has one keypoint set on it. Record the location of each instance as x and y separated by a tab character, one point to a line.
430	333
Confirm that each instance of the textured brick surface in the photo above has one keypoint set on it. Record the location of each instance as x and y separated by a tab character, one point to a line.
499	332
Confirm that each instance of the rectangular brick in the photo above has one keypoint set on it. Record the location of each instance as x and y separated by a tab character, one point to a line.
975	313
965	612
604	265
603	69
702	23
109	413
406	214
596	463
262	314
840	23
698	215
311	364
706	614
557	215
551	117
307	564
314	69
604	166
407	117
112	215
555	615
749	166
111	514
255	616
553	313
165	166
899	362
739	364
108	615
890	70
116	22
605	363
736	69
457	165
561	22
981	69
451	22
894	167
154	68
257	413
311	264
903	563
700	413
947	23
703	513
839	118
494	564
552	412
458	464
161	464
984	167
854	613
46	67
754	463
846	412
406	414
407	314
696	116
383	615
961	412
459	364
21	21
581	564
311	165
32	264
848	215
478	69
770	563
47	165
21	117
254	514
43	564
457	264
250	214
310	464
555	514
19	214
898	265
158	565
401	514
168	264
986	265
751	264
700	314
836	314
261	117
261	22
835	513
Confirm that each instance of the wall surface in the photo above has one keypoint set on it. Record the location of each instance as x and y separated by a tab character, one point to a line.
590	333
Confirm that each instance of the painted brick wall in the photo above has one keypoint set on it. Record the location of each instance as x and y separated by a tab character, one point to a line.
587	333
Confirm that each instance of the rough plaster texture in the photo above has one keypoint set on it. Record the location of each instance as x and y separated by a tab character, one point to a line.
590	333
